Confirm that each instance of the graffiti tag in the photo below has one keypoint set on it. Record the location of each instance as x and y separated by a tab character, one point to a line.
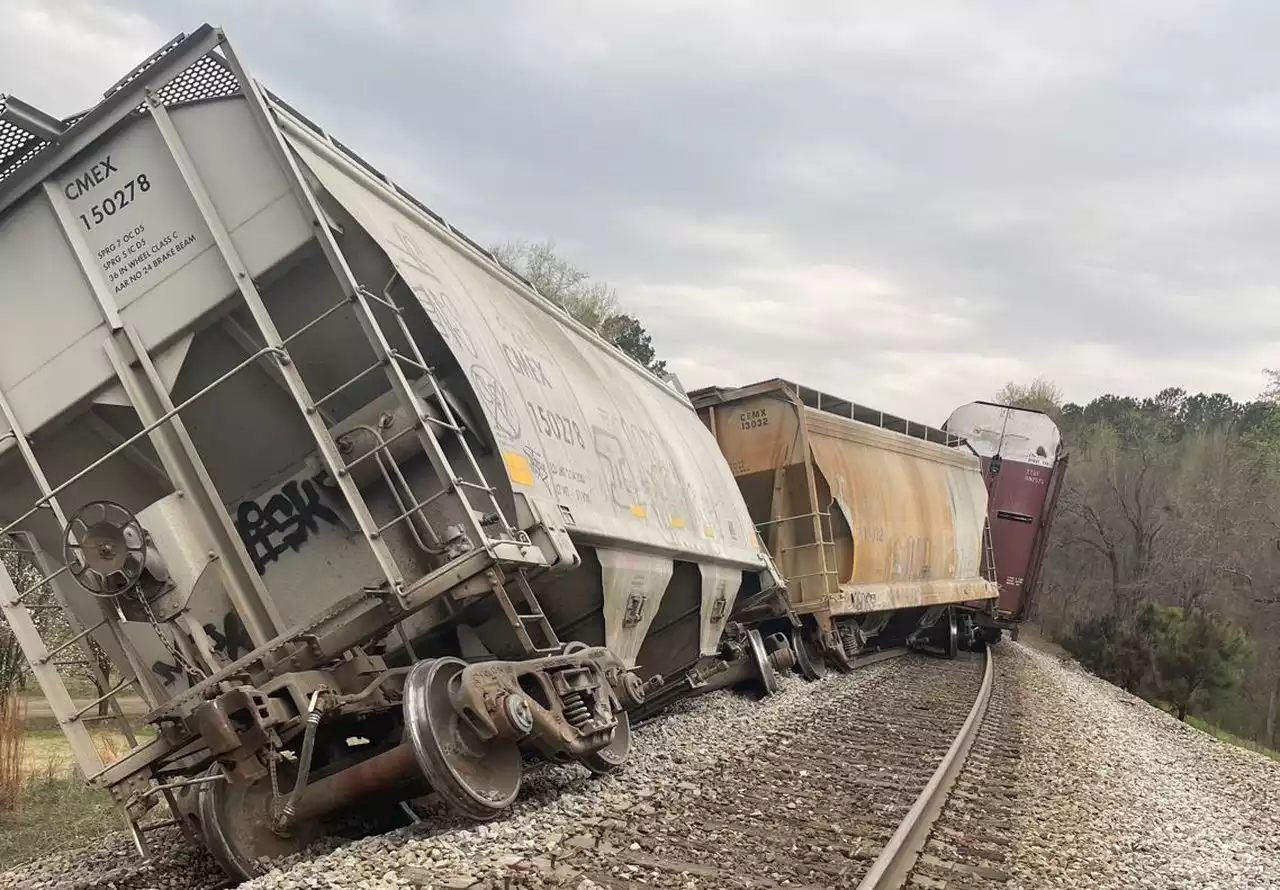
506	419
285	521
232	640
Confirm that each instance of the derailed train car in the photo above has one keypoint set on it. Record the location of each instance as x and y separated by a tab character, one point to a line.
311	468
1024	463
877	523
359	515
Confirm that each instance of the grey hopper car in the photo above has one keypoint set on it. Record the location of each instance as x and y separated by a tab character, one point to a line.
308	464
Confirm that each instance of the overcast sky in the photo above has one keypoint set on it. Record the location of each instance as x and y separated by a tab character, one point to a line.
904	203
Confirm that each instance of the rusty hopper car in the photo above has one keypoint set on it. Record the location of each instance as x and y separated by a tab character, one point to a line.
354	510
1023	462
873	520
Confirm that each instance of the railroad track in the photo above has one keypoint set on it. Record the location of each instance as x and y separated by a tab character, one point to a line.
971	844
814	799
893	867
838	802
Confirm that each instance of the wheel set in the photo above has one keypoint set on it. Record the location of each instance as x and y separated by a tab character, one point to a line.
476	772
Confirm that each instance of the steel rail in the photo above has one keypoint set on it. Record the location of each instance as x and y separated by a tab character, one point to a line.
893	866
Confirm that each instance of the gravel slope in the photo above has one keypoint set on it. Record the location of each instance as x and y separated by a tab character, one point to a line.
1106	792
560	807
556	805
1114	793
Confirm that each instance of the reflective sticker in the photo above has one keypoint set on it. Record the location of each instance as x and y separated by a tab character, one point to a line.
518	468
708	531
677	522
638	510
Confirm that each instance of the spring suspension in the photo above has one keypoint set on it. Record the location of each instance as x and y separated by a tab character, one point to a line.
576	710
851	639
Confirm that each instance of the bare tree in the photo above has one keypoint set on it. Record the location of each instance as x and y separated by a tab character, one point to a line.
593	303
1040	394
560	281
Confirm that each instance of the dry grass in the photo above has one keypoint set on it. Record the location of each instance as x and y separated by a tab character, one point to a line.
54	814
12	745
48	753
54	810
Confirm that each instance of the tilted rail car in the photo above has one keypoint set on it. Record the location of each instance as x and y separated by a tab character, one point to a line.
1024	463
877	523
309	466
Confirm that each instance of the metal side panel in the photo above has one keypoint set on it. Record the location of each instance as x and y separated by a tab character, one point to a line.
577	424
116	236
634	584
969	510
859	599
913	518
720	586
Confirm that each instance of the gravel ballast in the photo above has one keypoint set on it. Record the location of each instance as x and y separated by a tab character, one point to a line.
1106	792
1115	793
557	805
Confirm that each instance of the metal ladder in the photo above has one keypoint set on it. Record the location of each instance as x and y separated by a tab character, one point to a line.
826	547
989	553
17	608
529	617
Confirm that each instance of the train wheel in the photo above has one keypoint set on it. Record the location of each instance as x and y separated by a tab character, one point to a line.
614	754
764	667
235	821
839	660
810	659
951	643
478	779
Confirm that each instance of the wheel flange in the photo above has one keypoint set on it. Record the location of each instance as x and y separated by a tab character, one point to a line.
477	778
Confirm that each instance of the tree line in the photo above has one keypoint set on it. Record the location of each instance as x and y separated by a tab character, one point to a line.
593	303
1163	570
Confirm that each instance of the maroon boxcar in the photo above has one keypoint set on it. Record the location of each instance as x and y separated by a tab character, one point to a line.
1023	462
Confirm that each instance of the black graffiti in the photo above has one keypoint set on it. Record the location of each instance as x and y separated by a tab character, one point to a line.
286	520
537	464
233	640
166	672
494	395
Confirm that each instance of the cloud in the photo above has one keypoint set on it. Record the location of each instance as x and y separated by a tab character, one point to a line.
64	55
906	204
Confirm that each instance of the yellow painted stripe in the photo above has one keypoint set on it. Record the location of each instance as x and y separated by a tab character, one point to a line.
518	468
638	510
677	522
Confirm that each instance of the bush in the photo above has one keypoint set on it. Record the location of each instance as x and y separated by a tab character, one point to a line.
1109	649
1168	654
